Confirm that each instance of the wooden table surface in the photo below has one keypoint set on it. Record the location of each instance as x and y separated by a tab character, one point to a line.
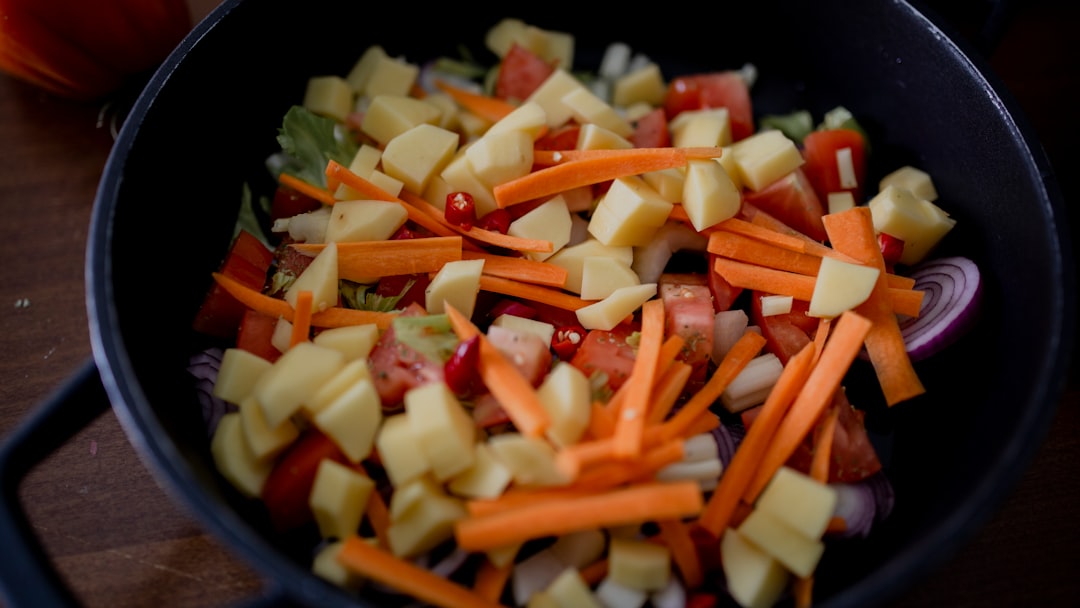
119	540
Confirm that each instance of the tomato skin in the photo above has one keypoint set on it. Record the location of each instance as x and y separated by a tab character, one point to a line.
520	73
821	168
607	351
559	138
651	130
247	261
288	203
793	200
785	334
723	89
255	333
396	368
286	490
688	312
724	293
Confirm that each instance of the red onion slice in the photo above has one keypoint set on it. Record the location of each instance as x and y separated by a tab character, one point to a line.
953	287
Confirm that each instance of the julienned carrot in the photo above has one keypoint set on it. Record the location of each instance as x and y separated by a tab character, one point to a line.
301	324
669	386
791	242
519	268
378	514
360	260
634	504
799	286
531	291
587	171
844	343
611	473
729	491
488	237
276	307
822	334
549	158
746	348
802	591
601	422
377	564
487	107
594	573
630	424
516	497
737	246
675	534
320	194
491	579
852	232
819	464
513	391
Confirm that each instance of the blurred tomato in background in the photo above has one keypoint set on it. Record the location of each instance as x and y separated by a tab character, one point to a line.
86	49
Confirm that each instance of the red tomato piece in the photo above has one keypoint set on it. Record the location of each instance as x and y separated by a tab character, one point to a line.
607	351
255	334
651	130
520	73
724	294
288	203
247	261
559	138
396	368
785	334
289	485
688	312
393	285
793	200
820	150
724	89
528	352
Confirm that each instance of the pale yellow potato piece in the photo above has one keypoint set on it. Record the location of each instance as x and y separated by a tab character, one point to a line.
570	589
396	444
529	118
353	341
352	372
796	551
918	222
610	311
765	157
601	276
531	460
339	496
320	278
595	137
391	115
235	460
587	108
550	94
708	127
364	220
709	196
266	442
294	378
541	328
567	397
800	500
326	566
443	429
427	522
329	96
417	154
629	214
352	419
754	578
645	84
913	179
639	564
668	183
500	157
488	477
456	283
237	374
840	286
839	201
550	221
572	258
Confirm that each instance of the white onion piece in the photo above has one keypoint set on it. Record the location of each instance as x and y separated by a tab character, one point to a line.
953	289
863	503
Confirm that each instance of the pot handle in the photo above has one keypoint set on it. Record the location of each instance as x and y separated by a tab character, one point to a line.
31	579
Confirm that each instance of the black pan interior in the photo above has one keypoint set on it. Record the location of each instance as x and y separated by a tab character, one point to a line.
209	117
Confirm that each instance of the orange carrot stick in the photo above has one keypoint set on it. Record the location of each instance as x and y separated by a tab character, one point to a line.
487	107
601	422
737	246
594	573
852	232
513	391
675	534
276	307
549	158
519	269
729	491
786	240
631	505
587	171
301	325
819	464
378	514
378	564
669	386
631	421
530	291
360	260
491	579
844	343
745	349
291	181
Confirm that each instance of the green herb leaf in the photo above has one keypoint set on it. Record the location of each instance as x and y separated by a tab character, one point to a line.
429	335
360	296
310	142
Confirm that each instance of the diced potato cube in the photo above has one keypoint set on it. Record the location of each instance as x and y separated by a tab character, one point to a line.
595	137
528	117
840	286
266	442
391	115
727	161
365	160
339	496
587	108
362	70
352	419
443	430
281	339
552	46
796	551
707	127
839	201
353	341
611	311
918	222
329	96
397	450
601	276
320	278
436	192
913	179
326	566
776	305
501	36
709	196
428	521
417	154
629	213
459	177
567	396
235	460
456	283
354	371
645	84
294	378
550	94
569	590
572	258
364	220
531	460
390	76
237	374
668	183
486	478
548	222
754	578
500	157
800	500
541	328
639	564
613	593
765	157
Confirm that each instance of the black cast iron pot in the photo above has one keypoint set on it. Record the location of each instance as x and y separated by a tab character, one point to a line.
209	116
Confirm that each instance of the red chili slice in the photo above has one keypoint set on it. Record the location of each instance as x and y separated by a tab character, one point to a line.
891	248
566	340
460	209
460	369
496	220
